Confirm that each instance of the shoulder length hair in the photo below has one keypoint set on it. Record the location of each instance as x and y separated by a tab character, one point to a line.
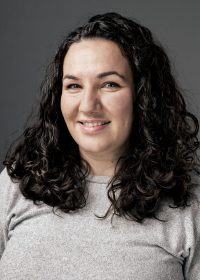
162	154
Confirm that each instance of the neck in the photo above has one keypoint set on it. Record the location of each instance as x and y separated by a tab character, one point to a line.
101	166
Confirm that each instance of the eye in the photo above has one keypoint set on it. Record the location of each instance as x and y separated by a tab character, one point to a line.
73	86
111	85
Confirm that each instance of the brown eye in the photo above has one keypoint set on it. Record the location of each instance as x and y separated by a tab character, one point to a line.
111	85
73	86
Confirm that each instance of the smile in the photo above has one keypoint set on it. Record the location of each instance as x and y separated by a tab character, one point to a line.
93	127
93	124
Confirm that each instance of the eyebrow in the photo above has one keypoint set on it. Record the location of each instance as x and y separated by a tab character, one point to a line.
100	76
108	73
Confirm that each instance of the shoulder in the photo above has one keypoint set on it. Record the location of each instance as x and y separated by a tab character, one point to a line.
9	190
183	222
6	181
192	210
4	177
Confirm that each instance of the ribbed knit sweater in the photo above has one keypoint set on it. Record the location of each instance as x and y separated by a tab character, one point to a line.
37	244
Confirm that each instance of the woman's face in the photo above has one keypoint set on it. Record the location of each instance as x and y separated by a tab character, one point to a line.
97	97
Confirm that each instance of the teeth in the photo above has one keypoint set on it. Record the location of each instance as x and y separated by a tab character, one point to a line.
91	124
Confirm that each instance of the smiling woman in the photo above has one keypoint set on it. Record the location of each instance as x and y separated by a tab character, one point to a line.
97	102
104	184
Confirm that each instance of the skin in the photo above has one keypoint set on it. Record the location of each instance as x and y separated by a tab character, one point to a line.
97	101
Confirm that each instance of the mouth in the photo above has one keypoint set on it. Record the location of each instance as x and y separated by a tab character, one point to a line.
93	123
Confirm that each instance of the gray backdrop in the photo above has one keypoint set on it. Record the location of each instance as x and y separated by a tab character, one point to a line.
30	31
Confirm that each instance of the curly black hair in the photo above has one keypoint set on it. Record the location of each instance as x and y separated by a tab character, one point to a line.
163	153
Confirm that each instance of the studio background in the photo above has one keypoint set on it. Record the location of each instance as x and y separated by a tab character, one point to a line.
31	30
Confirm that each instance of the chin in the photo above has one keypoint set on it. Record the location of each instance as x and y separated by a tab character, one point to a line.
93	149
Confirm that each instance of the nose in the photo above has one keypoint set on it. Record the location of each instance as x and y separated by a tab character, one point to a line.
90	101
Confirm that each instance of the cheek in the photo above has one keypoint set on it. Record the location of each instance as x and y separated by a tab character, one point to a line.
121	105
67	107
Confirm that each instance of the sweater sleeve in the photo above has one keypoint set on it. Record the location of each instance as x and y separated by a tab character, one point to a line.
192	262
5	195
2	238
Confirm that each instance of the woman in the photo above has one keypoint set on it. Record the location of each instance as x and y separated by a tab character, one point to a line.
113	139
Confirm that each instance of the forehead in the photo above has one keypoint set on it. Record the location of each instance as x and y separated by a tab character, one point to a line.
97	54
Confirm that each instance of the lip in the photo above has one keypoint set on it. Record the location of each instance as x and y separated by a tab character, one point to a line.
94	121
93	129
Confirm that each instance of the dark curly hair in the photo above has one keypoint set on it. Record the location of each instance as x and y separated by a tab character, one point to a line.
163	152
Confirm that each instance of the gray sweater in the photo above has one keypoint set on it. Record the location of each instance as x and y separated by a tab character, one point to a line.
37	244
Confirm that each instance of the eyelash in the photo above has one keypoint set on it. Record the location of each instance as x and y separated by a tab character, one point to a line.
71	86
75	86
111	83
